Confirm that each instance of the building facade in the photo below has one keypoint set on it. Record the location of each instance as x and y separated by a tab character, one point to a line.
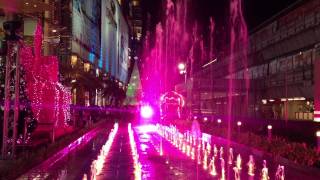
92	42
283	70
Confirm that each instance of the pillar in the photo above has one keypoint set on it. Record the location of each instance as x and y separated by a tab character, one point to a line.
316	85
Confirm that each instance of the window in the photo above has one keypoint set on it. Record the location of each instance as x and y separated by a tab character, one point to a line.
289	63
74	96
297	60
86	67
307	57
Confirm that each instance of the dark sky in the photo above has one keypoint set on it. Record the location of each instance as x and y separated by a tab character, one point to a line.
255	11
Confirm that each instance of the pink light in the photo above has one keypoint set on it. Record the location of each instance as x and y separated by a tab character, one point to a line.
147	128
219	121
181	66
146	111
98	164
50	100
135	155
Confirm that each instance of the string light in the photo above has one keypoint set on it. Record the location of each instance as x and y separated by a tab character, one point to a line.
50	100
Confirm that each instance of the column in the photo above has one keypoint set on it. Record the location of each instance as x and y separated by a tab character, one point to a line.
316	87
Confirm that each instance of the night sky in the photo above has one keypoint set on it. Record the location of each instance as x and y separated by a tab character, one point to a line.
255	11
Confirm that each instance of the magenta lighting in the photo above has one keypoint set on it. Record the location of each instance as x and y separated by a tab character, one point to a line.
181	66
146	111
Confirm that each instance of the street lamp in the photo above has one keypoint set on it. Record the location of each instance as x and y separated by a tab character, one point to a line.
269	127
219	121
181	66
318	140
239	123
183	70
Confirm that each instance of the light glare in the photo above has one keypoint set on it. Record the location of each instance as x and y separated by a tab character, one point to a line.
146	111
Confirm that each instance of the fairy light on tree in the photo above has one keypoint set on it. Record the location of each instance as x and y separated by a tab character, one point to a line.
50	100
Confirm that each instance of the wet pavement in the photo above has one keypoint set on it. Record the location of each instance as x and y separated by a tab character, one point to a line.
168	163
73	161
118	164
292	171
171	165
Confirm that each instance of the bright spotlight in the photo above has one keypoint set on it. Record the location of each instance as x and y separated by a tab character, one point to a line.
146	111
181	66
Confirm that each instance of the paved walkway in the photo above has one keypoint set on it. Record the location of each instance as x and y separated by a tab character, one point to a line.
119	163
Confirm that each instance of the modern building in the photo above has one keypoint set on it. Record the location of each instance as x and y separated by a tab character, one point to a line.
93	62
283	68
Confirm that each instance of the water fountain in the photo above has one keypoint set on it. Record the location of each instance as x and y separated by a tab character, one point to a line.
85	177
221	152
135	155
212	166
251	166
97	164
205	160
170	134
192	153
184	146
238	51
93	170
236	173
215	150
238	162
264	171
199	155
209	149
230	157
223	171
212	54
280	173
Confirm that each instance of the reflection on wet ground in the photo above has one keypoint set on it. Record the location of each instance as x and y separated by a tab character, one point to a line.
153	162
171	165
118	164
72	161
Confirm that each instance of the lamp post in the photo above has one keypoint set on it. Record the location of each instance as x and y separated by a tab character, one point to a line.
239	123
219	121
269	132
183	70
318	140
